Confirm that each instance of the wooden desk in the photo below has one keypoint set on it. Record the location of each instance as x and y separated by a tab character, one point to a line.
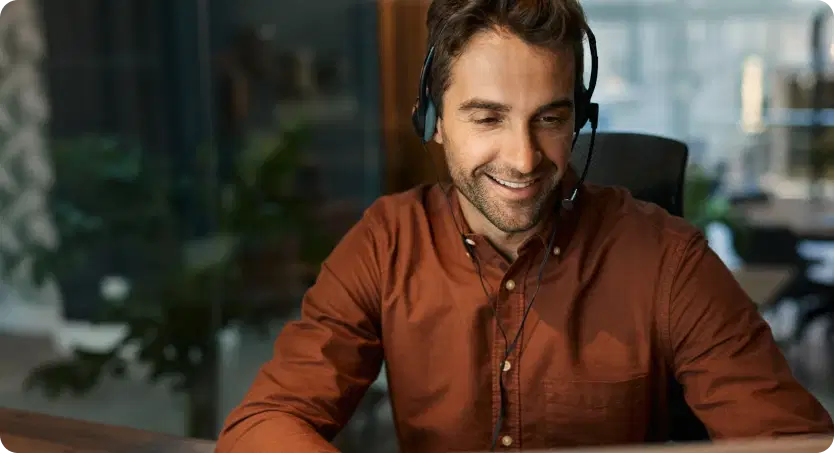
27	432
804	445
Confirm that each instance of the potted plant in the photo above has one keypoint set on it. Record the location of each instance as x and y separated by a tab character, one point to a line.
174	314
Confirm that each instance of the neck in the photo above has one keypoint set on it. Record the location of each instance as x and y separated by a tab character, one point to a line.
506	243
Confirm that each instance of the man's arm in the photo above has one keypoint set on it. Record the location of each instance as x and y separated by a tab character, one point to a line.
735	378
323	363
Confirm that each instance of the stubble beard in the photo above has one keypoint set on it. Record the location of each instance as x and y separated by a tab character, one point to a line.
508	216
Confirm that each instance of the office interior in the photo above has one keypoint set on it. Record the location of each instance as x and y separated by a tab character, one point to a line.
161	161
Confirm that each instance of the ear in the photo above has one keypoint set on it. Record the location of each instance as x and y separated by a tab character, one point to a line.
438	132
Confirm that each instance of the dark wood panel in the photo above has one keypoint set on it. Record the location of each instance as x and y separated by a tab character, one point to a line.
402	33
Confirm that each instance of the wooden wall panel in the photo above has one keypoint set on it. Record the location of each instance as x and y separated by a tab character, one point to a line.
402	50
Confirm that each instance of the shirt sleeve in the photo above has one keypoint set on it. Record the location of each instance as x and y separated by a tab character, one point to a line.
322	364
735	378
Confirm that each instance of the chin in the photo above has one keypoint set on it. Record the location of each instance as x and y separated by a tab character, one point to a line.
516	228
515	220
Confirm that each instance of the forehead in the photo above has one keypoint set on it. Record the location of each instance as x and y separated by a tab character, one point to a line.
501	67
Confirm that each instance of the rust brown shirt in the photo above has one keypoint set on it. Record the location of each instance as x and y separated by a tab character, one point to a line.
630	298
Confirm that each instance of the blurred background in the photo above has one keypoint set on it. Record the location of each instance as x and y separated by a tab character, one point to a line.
172	173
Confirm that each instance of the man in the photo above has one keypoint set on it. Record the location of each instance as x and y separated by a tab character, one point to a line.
629	298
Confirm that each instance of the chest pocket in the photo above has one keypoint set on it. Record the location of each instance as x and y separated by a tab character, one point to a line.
585	413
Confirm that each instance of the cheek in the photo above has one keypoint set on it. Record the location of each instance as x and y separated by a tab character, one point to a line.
470	154
558	150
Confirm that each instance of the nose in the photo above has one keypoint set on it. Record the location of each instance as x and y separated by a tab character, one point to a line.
524	154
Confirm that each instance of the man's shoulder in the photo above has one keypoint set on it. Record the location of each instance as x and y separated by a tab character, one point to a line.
384	226
406	206
637	222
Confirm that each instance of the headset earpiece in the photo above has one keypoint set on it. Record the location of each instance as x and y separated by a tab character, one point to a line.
424	116
430	122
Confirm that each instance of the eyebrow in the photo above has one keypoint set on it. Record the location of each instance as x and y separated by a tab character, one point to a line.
555	105
483	104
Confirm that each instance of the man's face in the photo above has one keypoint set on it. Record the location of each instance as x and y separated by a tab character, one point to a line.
507	127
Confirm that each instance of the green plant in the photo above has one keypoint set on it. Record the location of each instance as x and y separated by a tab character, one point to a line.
105	202
702	206
109	200
174	314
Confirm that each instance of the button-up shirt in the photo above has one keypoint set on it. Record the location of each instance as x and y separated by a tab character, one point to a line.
631	299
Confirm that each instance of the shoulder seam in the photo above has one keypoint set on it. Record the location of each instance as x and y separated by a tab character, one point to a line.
374	226
673	270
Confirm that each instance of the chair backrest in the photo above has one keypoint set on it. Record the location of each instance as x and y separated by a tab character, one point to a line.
652	168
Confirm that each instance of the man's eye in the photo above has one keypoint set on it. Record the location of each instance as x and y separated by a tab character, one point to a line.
490	120
552	120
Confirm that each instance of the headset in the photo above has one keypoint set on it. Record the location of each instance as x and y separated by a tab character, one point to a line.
424	118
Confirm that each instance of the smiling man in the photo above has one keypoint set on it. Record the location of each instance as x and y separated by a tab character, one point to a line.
507	131
505	320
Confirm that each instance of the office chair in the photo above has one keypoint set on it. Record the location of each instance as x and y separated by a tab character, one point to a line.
653	169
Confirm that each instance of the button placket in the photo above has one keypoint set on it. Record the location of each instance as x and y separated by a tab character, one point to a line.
510	320
512	378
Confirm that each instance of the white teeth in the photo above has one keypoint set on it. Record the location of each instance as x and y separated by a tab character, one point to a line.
513	185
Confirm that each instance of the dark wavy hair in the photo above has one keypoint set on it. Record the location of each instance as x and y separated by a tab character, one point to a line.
550	24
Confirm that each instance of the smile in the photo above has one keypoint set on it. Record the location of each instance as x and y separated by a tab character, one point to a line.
513	184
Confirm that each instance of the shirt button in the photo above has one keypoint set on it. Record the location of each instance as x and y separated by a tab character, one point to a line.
507	365
557	251
510	285
470	242
506	441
